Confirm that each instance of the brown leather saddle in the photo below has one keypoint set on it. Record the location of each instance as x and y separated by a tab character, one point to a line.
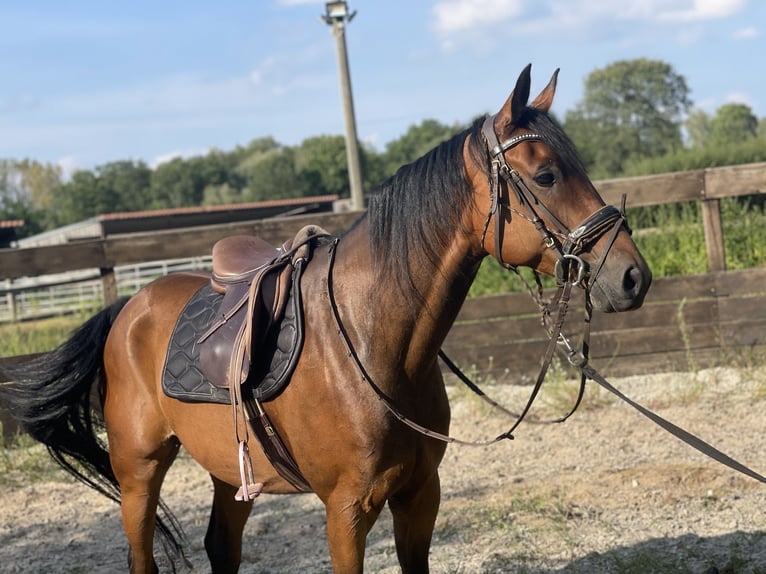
255	279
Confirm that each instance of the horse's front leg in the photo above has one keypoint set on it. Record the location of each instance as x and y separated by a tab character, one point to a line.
349	519
414	515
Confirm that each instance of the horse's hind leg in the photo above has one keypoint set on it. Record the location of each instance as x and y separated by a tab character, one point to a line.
140	477
414	516
223	541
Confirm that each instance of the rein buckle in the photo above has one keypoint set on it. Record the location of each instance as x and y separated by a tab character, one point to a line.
575	356
563	270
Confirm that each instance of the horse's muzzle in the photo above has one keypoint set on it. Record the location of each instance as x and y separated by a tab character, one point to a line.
621	286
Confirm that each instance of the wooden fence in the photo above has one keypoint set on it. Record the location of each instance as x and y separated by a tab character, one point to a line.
80	291
687	322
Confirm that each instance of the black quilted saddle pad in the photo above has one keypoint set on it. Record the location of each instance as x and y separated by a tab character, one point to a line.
271	367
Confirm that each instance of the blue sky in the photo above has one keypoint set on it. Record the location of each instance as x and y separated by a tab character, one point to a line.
89	82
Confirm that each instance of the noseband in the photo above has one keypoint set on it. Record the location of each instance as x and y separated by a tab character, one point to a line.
568	245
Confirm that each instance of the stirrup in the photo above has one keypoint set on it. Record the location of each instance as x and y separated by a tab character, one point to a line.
249	489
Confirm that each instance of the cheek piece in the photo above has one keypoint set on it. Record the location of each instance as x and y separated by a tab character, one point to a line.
567	245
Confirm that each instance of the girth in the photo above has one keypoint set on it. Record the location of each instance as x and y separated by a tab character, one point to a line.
255	291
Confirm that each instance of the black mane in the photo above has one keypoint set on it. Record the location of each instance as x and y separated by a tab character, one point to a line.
414	214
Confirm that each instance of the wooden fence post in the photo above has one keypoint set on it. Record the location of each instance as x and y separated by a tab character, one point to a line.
10	298
711	221
108	285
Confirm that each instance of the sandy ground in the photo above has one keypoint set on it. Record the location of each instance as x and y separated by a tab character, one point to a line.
607	491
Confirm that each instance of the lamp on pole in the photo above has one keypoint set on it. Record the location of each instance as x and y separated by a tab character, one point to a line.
336	15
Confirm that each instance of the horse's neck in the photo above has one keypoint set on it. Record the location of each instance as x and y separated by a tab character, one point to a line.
410	326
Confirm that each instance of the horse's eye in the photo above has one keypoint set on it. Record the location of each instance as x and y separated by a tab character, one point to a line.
545	179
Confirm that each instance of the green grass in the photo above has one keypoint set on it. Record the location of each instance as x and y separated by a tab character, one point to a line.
36	336
25	462
671	239
560	390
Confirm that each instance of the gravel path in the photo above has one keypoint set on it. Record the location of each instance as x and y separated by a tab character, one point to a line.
607	491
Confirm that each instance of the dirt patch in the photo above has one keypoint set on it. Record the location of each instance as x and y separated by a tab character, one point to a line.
607	491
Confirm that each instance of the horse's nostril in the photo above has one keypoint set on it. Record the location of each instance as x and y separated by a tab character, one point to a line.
632	281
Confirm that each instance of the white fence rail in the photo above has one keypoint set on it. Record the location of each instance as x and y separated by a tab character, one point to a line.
51	295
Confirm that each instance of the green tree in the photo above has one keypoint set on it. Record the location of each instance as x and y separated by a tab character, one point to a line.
177	183
37	181
78	199
733	123
218	168
221	195
373	167
321	163
761	131
272	175
26	192
416	141
122	186
112	187
697	126
631	109
256	146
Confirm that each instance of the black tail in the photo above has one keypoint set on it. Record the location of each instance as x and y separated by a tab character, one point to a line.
57	398
51	396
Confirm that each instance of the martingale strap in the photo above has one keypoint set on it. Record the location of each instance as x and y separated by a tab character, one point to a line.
382	397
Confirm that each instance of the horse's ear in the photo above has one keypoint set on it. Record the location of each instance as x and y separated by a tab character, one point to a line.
516	102
544	100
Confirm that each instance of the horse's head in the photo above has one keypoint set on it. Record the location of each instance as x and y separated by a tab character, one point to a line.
542	211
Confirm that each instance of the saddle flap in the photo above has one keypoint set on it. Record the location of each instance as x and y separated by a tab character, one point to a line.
248	311
255	279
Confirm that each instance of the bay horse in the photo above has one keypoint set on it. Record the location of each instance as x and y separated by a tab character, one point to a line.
510	186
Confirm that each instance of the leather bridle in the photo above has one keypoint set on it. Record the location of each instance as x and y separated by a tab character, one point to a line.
570	269
567	245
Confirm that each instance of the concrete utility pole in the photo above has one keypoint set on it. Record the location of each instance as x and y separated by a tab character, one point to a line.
336	16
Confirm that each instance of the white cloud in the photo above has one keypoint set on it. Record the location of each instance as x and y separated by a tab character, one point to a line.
68	165
583	11
740	98
707	105
264	67
746	33
689	35
184	154
702	10
169	97
457	15
477	23
451	17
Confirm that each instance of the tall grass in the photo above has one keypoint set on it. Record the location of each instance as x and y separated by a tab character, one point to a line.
674	243
36	336
672	240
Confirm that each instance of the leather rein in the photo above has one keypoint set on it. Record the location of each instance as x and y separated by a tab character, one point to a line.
570	271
